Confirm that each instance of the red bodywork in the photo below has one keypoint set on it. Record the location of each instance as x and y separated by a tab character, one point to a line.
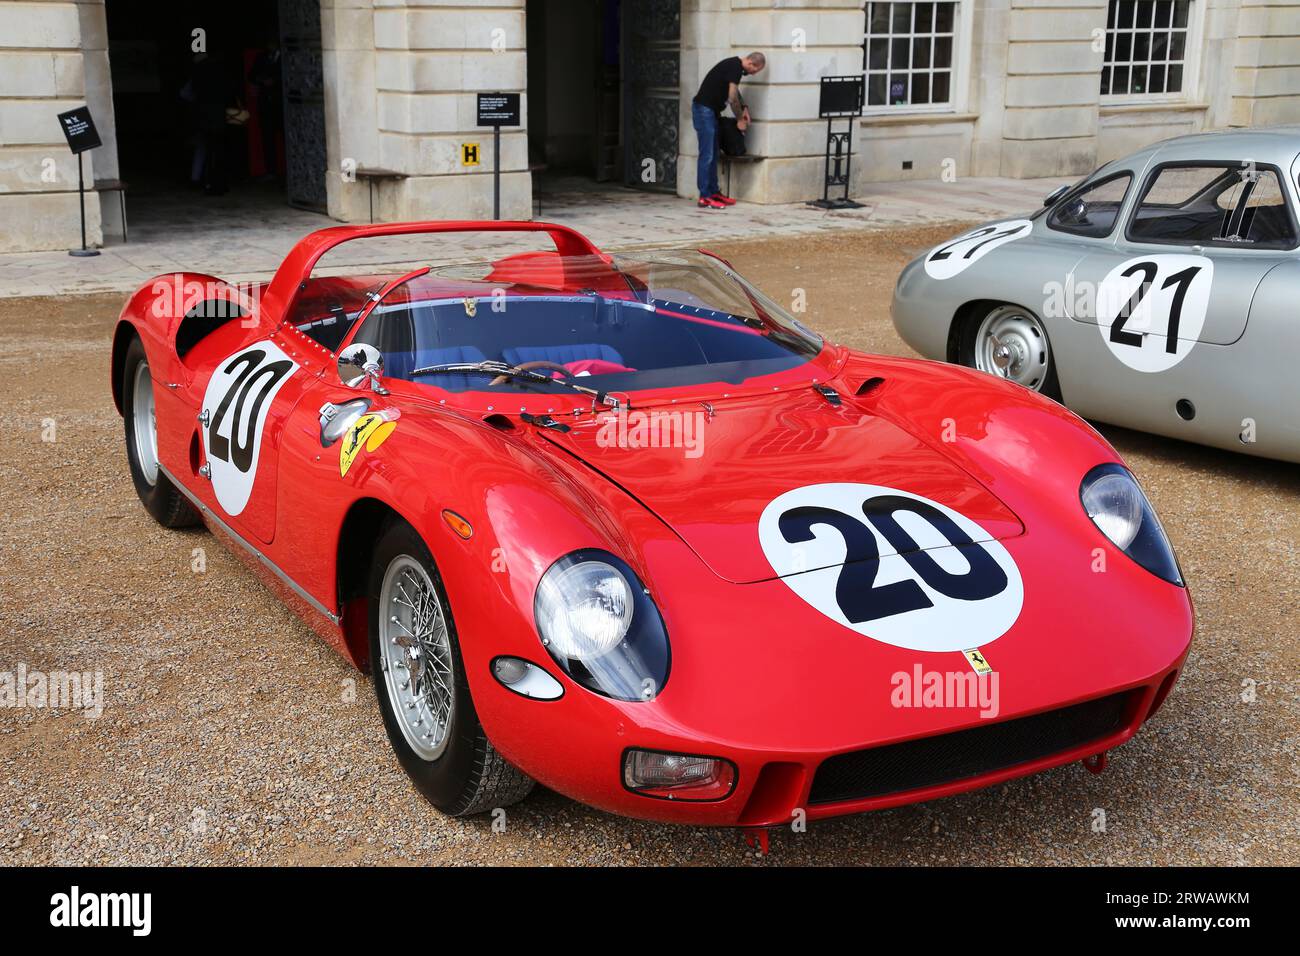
757	676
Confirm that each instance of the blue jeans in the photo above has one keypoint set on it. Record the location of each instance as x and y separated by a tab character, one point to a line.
706	130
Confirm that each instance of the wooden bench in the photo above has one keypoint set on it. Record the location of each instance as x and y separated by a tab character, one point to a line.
119	187
372	173
747	159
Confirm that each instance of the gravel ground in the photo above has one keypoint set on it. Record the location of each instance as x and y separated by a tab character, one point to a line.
232	735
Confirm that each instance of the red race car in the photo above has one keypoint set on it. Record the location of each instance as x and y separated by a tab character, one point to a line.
625	527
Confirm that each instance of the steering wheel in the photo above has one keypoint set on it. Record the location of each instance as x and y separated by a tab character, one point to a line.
530	366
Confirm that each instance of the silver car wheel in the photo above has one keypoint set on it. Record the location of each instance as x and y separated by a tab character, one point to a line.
144	421
1012	344
416	657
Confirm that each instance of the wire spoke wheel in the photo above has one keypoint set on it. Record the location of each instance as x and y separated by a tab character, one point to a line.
1012	344
416	659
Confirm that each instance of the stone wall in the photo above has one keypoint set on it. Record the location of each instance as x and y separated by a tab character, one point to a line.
48	53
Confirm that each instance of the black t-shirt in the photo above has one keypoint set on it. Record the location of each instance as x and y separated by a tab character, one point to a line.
717	83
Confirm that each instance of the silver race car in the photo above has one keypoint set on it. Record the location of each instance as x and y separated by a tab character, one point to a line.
1162	293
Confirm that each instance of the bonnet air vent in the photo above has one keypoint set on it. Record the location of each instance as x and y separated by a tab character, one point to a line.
869	385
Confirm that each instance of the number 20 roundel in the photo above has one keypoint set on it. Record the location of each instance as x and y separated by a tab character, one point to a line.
893	566
237	400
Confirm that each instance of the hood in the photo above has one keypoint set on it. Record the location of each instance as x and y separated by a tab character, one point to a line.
712	477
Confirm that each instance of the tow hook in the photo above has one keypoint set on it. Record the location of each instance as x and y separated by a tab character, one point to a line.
758	838
1097	762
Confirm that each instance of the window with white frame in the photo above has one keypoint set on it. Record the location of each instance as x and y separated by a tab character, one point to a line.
1146	48
908	54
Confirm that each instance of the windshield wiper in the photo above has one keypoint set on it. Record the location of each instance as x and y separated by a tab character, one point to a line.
490	367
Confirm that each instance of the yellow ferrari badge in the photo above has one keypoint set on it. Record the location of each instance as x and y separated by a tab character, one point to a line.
977	661
370	431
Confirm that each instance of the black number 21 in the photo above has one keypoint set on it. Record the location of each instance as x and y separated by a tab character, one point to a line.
1149	270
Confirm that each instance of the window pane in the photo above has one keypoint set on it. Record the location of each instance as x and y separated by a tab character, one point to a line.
921	88
902	18
1105	80
943	53
1175	82
1180	13
924	17
1160	47
899	59
944	17
1144	10
1091	210
876	89
1191	205
939	88
1119	83
1125	19
1156	79
879	18
1177	45
1142	46
879	56
920	52
1164	10
1138	79
1124	48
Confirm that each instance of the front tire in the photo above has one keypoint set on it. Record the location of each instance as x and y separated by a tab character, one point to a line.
1011	343
160	497
420	683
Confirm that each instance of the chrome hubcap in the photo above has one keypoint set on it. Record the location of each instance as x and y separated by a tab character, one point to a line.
1012	344
415	657
144	423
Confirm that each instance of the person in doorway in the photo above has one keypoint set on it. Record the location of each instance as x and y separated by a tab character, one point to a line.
721	88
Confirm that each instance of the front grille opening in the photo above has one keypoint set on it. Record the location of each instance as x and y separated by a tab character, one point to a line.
930	761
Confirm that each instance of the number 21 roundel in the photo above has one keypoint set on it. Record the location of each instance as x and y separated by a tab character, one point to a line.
1151	309
237	400
961	253
893	566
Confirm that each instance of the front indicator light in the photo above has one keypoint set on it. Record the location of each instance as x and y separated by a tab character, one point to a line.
526	679
672	776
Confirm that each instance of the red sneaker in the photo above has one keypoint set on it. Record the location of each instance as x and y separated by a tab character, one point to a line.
708	202
725	200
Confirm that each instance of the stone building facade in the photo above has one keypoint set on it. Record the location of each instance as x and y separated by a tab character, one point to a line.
1016	88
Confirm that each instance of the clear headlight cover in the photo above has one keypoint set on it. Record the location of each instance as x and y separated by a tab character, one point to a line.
598	623
1113	500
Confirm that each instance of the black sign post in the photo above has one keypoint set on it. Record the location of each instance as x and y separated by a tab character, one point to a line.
497	110
841	98
79	130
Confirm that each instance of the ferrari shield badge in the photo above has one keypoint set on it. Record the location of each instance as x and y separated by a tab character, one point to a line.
369	431
977	661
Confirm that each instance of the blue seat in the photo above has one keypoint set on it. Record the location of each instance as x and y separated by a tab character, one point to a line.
562	354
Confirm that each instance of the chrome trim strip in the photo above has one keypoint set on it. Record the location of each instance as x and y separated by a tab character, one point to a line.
267	562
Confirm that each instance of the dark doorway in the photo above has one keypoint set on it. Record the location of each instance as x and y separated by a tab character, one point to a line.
218	96
602	90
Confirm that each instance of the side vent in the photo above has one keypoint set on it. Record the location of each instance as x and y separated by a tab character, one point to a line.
869	385
501	423
204	319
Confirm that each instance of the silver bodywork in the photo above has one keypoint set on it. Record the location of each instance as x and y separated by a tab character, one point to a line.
1238	374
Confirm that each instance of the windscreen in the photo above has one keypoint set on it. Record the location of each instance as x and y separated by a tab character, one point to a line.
627	323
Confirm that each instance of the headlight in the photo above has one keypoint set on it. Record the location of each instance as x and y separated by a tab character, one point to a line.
598	623
1112	499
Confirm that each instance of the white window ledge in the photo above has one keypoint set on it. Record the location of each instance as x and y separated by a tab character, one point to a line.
916	119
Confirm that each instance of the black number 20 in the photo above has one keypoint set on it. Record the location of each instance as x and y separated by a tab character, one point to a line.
856	592
242	425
